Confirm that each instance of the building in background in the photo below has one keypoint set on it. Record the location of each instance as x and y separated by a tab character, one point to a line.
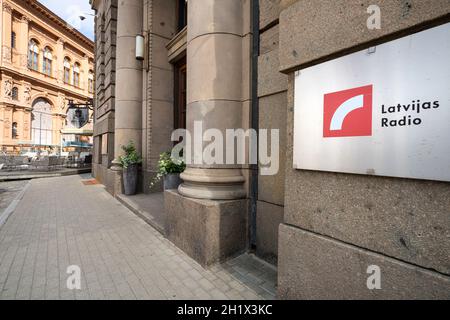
43	64
231	64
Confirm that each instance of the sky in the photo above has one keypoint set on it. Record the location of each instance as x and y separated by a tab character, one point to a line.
70	11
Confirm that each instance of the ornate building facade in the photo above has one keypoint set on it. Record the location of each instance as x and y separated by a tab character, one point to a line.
44	63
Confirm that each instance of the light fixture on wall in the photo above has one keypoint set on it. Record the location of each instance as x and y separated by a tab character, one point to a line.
83	15
140	47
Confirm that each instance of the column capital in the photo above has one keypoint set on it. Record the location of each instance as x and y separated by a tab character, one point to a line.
7	7
25	19
116	165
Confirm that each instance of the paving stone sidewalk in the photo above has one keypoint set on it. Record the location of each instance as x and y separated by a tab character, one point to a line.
61	222
9	191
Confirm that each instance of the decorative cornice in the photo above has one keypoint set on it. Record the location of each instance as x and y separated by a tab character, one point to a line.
50	16
54	87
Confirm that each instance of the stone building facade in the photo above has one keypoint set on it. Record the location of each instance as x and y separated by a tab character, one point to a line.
44	64
231	64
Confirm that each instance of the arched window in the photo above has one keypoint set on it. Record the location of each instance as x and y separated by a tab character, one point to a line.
67	70
14	130
42	123
15	93
91	81
76	75
33	55
47	61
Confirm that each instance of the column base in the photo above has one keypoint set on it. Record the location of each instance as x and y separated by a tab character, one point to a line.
116	165
208	231
213	184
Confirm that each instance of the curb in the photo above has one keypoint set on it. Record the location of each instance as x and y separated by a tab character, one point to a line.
45	175
140	214
13	205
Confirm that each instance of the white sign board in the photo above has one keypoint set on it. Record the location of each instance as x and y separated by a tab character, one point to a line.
382	111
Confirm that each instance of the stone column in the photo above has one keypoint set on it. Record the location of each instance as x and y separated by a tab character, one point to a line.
207	217
84	74
6	37
214	98
60	61
128	109
27	125
22	42
2	124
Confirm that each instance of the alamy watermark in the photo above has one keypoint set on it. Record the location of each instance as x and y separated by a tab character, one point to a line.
374	20
374	279
74	280
228	147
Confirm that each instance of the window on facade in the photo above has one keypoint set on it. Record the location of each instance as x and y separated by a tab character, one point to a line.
181	14
33	55
76	75
14	130
42	123
13	40
180	94
91	81
15	93
47	62
66	70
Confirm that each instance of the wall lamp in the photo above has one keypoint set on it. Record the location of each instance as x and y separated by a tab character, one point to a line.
140	47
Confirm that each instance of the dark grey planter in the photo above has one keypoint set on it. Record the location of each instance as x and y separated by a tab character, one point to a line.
130	178
172	181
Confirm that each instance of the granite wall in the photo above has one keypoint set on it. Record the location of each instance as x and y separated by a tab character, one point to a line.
336	225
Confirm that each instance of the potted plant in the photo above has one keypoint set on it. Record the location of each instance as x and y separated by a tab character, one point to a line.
130	162
169	170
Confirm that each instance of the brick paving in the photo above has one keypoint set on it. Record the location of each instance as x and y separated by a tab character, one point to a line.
61	222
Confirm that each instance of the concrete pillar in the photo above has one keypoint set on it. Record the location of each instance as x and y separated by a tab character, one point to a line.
128	109
22	42
214	72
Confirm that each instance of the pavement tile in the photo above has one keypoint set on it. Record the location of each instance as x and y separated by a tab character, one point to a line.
119	255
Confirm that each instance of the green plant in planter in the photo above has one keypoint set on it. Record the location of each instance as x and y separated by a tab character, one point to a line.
130	157
167	165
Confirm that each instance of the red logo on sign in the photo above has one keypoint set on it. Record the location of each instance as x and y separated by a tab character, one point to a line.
348	113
